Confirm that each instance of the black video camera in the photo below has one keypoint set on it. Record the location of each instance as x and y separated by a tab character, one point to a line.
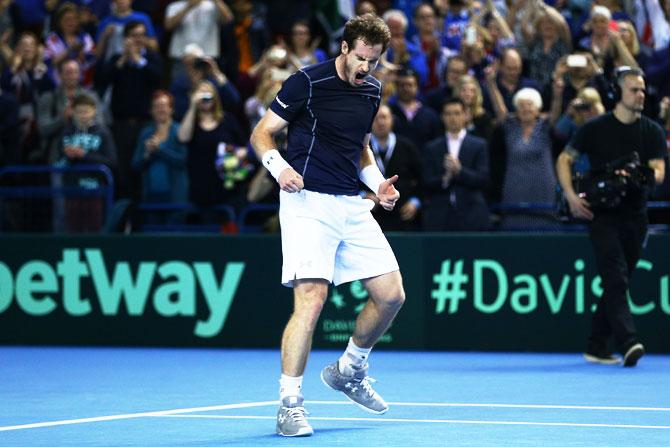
607	188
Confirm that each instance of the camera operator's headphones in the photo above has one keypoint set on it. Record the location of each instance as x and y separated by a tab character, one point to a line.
619	74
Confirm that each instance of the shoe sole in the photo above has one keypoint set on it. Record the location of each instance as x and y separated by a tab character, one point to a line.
633	355
600	361
300	433
363	407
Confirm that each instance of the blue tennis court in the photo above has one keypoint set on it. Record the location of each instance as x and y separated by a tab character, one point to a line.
189	397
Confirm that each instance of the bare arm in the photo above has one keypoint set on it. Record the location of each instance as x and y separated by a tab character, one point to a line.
373	178
556	100
261	136
578	206
174	21
560	23
367	158
261	140
505	31
526	23
225	14
658	165
185	132
624	56
497	100
512	12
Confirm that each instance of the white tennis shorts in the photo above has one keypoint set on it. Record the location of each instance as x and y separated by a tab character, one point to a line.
331	237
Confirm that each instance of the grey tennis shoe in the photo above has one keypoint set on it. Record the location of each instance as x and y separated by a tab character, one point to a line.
356	386
291	420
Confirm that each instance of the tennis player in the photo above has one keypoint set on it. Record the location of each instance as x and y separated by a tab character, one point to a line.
328	233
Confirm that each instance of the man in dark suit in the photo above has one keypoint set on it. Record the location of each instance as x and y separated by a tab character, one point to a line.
412	119
455	175
396	155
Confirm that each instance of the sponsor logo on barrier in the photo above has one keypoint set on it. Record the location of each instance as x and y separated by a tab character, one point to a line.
348	301
492	287
170	287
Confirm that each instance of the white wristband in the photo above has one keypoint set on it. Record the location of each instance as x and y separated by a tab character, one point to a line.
372	177
273	162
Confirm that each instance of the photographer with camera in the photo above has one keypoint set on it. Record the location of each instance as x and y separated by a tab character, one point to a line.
626	153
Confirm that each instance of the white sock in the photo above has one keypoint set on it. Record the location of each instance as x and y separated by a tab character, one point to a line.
353	356
290	386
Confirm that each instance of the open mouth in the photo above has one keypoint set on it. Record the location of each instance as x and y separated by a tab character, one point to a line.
360	76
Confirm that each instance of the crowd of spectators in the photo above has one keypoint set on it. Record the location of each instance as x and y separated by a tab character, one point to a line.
165	94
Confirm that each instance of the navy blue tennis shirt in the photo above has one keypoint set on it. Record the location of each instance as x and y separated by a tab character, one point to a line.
328	120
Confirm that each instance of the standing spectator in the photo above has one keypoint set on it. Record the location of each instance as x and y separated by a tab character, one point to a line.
133	75
455	176
26	78
403	52
545	41
396	155
652	21
429	40
577	71
90	14
257	105
412	119
68	41
302	49
111	37
478	121
605	43
245	41
161	157
509	79
84	141
55	107
456	15
200	68
522	159
55	111
500	36
195	22
455	68
8	15
206	128
630	40
586	106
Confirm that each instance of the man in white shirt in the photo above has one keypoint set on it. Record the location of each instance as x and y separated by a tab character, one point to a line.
455	174
195	22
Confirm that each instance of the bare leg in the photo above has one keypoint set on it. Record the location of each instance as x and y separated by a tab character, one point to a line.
386	298
309	296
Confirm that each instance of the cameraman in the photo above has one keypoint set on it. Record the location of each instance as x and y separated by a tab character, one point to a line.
617	233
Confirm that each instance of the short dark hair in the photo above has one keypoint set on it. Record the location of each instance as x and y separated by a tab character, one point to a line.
622	72
131	25
453	100
60	65
405	72
84	99
163	94
369	28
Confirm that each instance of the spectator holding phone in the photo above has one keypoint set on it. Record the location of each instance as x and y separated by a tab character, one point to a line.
195	22
204	129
